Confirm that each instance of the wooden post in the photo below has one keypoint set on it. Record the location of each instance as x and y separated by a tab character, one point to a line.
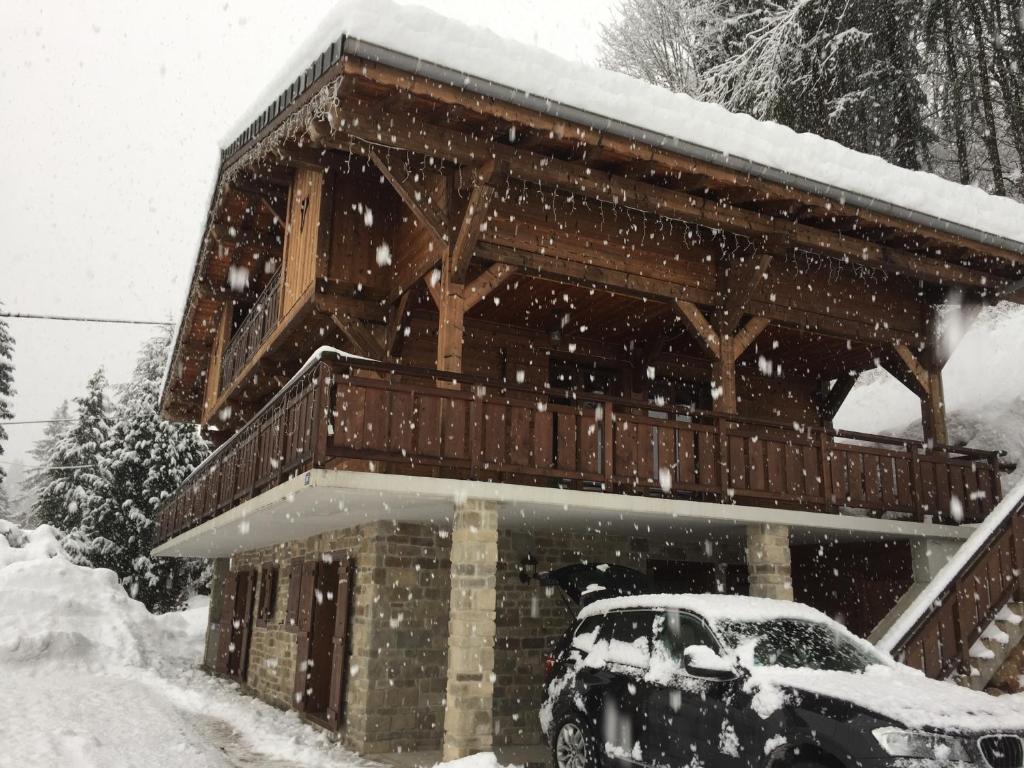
915	483
609	446
450	326
824	445
933	409
724	371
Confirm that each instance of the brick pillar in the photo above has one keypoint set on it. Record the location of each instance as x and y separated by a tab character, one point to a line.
469	710
768	561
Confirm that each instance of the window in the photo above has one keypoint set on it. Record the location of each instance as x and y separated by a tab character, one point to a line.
268	593
681	630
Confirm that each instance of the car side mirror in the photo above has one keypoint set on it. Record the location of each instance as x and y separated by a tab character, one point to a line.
701	661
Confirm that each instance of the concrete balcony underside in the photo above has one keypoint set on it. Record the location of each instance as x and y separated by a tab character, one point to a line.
325	500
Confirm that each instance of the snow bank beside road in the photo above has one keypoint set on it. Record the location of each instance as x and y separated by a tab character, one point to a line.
90	677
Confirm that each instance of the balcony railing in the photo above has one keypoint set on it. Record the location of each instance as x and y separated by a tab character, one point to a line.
254	330
404	420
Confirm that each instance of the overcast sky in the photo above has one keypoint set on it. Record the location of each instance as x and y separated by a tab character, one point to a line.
111	114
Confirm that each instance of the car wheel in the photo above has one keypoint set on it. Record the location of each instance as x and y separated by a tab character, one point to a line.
573	746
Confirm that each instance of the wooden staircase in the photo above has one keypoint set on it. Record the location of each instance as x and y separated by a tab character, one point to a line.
966	623
995	647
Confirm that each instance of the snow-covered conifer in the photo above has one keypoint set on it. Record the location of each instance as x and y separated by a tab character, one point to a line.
143	461
6	393
73	484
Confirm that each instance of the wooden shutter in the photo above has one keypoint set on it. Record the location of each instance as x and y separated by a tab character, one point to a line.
291	620
336	703
302	627
268	594
227	615
246	600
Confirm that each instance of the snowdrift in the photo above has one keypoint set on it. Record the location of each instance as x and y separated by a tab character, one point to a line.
984	399
56	611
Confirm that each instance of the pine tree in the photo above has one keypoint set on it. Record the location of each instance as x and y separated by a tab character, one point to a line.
6	393
144	461
72	480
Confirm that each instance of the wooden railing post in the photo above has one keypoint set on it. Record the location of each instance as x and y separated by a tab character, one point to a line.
824	447
476	428
322	410
722	444
915	482
608	425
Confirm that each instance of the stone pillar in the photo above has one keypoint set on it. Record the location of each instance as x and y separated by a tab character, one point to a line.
220	572
469	709
768	561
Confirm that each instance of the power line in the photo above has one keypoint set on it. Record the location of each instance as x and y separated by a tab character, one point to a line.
41	421
31	316
68	466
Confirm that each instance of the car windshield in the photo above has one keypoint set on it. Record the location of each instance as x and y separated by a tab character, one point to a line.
795	643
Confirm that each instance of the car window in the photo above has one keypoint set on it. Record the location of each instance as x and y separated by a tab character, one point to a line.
623	637
677	631
795	644
587	633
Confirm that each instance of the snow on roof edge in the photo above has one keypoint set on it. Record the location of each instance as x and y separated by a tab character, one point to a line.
614	97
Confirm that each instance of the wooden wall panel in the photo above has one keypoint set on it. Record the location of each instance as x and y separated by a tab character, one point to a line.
221	338
301	236
365	215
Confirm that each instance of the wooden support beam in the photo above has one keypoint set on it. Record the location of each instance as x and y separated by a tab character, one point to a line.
395	333
903	364
466	149
451	327
433	288
474	219
484	284
741	278
364	340
746	335
933	410
831	400
701	328
428	214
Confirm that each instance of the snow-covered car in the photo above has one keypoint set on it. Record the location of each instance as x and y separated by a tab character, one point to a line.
730	681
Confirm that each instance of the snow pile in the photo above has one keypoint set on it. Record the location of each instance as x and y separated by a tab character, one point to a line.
982	382
17	545
56	611
90	677
478	53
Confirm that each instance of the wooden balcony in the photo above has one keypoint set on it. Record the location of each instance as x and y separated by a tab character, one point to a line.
254	330
401	420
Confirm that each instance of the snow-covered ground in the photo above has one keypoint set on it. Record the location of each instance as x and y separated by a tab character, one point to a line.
984	396
88	677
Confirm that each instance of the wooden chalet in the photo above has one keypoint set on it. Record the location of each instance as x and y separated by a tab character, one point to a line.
442	332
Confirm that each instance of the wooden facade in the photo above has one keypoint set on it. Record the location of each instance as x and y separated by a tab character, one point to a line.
541	302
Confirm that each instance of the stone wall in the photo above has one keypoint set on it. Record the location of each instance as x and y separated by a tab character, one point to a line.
397	647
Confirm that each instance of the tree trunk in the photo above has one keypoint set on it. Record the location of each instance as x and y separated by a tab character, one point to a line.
991	136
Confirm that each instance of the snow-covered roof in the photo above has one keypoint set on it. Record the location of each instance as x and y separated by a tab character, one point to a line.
481	61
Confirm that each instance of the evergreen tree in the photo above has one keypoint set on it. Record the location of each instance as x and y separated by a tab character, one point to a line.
144	460
71	480
6	393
